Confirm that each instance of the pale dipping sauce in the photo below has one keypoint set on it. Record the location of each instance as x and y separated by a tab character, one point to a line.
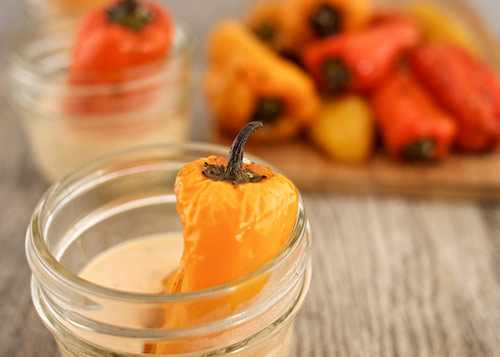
139	265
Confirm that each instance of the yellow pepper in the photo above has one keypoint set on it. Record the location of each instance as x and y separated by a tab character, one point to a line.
439	25
246	80
344	129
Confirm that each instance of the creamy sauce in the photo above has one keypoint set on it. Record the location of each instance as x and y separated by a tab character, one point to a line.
137	266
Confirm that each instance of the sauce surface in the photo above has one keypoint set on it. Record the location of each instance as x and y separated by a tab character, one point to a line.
139	265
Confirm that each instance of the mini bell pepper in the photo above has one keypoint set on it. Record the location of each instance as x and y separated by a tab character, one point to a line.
266	19
245	80
235	218
360	60
127	34
309	20
344	129
439	24
413	126
466	88
122	42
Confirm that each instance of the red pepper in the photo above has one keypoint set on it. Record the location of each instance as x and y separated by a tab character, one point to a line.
413	126
360	60
125	35
123	42
466	88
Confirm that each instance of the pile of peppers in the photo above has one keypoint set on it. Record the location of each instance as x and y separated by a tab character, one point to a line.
343	73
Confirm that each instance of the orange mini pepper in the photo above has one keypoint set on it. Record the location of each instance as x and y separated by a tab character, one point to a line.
266	18
413	126
235	218
245	80
360	60
309	20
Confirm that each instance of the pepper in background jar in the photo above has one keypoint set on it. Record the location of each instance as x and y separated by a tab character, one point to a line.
127	34
122	42
413	127
359	61
245	80
465	87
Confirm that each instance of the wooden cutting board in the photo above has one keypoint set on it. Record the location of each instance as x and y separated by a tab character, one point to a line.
460	175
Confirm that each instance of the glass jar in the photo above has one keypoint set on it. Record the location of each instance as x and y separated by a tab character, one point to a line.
70	124
131	195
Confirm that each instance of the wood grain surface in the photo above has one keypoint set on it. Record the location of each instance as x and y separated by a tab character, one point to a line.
393	276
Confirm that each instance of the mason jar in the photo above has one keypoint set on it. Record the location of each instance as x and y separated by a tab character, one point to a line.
131	195
69	123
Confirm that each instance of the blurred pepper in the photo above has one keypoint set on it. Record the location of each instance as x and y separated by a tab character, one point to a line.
266	19
235	218
308	20
413	126
466	88
245	80
344	129
439	24
360	60
127	34
120	43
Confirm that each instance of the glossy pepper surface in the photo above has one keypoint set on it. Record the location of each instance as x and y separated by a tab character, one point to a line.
127	34
267	20
235	218
344	129
466	88
412	125
439	24
309	20
245	80
360	60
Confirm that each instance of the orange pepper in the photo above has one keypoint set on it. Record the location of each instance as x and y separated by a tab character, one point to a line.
309	20
246	80
266	19
235	217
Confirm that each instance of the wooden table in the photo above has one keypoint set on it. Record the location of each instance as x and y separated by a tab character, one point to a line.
392	276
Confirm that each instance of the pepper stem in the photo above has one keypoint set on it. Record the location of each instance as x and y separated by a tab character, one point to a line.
130	14
419	150
234	172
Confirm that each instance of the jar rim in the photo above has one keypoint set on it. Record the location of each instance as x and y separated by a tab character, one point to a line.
39	255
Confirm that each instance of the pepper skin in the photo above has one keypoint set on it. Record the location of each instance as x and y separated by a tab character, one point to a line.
245	80
266	19
235	218
344	129
360	60
123	36
250	213
412	125
123	42
466	88
309	20
439	24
